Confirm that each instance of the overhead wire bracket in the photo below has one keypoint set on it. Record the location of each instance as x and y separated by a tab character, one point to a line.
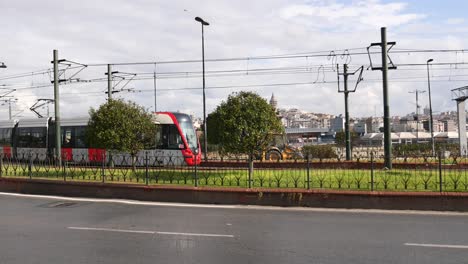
359	79
124	78
391	64
6	92
70	65
38	104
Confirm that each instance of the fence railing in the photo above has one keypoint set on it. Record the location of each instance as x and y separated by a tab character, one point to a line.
416	173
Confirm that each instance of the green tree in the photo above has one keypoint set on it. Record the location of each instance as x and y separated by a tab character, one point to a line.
340	139
319	152
244	124
121	126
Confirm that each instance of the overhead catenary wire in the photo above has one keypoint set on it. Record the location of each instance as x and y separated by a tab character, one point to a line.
310	54
144	77
313	70
401	80
286	56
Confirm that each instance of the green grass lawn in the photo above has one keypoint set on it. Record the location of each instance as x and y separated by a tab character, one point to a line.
333	178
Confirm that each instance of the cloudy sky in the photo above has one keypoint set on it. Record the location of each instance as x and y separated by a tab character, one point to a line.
311	37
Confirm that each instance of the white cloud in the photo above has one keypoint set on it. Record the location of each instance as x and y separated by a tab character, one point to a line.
369	13
127	31
455	21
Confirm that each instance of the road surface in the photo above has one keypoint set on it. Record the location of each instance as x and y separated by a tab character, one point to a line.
45	230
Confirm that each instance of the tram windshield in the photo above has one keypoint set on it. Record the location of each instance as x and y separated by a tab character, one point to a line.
186	126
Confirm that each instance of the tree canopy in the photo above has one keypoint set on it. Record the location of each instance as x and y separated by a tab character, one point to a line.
340	139
121	126
319	152
244	124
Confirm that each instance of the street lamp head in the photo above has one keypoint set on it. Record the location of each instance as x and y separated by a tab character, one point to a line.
199	19
430	60
3	65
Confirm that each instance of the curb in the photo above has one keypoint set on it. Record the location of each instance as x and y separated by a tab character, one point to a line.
430	201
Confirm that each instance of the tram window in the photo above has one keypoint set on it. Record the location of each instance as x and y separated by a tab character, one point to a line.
32	137
38	137
80	137
168	137
67	137
5	136
24	137
189	133
158	137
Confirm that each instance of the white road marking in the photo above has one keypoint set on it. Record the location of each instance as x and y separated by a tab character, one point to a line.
147	232
436	245
112	230
244	207
192	234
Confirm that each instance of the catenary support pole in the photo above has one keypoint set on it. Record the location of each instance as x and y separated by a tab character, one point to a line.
58	143
387	134
346	94
9	109
154	85
109	82
461	115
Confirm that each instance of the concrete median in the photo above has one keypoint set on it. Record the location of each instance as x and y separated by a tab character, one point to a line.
445	201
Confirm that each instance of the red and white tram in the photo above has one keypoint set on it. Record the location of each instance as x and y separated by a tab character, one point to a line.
176	140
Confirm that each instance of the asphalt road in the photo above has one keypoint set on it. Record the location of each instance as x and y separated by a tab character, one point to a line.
38	230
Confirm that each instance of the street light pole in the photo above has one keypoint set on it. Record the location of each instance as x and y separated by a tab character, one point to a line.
431	125
205	137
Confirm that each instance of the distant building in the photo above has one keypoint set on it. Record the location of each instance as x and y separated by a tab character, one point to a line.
406	125
299	137
360	127
374	124
449	125
324	122
337	124
438	126
273	101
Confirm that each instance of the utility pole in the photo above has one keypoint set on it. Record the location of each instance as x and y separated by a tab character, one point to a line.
109	82
460	95
154	84
417	112
9	109
384	68
346	92
431	125
58	147
9	100
387	132
347	136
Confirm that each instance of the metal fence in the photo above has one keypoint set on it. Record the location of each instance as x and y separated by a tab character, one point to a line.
415	173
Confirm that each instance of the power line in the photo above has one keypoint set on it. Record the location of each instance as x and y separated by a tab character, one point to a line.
275	57
311	54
